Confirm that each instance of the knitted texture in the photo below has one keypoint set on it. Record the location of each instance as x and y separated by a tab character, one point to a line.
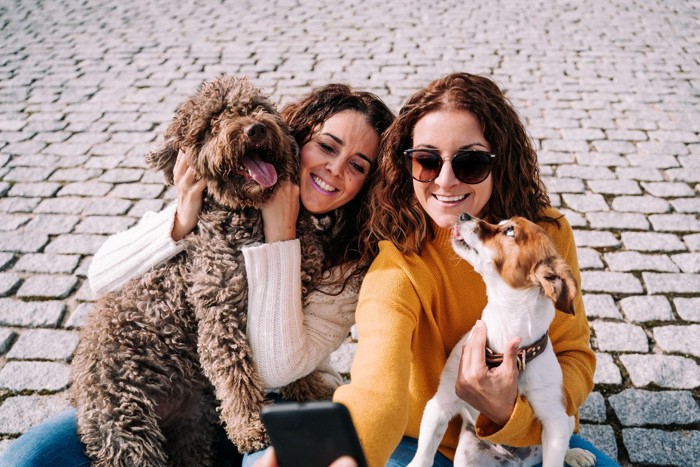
412	310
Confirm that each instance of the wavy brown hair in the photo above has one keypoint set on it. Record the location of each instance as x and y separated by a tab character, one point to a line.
394	212
342	245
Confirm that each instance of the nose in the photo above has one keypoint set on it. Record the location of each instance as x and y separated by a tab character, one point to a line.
255	131
334	166
464	217
446	177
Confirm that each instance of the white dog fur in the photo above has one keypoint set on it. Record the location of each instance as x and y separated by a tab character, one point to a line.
525	277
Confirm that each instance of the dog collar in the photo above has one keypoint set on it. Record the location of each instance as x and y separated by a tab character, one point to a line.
524	355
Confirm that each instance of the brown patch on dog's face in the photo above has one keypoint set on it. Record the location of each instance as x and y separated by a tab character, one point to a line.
524	255
235	139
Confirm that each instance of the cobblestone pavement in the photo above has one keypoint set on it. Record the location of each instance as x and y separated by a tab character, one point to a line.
610	92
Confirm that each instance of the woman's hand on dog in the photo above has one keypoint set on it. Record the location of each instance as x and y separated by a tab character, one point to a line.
190	192
490	391
280	213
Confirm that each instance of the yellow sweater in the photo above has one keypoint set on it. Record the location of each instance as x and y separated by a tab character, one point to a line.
411	312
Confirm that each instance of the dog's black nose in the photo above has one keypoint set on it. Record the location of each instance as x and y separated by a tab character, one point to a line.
255	131
464	217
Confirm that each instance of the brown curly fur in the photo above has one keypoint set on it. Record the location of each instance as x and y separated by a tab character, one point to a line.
156	358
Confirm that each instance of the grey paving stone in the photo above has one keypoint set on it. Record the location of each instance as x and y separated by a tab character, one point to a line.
679	339
15	312
47	263
585	172
602	159
619	337
668	189
12	205
588	258
691	205
28	174
104	224
615	187
649	241
37	189
22	242
600	306
683	175
121	175
18	414
659	283
8	283
12	221
34	376
78	174
63	205
635	407
85	293
595	238
586	202
646	308
593	409
654	446
52	224
137	191
675	222
612	282
635	261
617	220
564	185
666	371
639	173
606	371
643	204
688	308
7	337
142	207
688	262
79	315
107	207
44	344
657	162
602	437
47	286
91	188
81	244
693	241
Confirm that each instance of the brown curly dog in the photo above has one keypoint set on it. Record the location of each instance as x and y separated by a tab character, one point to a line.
158	357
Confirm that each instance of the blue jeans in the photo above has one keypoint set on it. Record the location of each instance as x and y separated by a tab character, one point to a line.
55	443
406	449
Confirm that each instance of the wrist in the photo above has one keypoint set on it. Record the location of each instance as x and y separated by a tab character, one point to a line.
281	235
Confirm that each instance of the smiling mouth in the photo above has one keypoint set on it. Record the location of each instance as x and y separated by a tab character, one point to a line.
450	199
325	187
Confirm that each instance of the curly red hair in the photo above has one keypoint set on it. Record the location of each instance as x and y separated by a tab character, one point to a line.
393	211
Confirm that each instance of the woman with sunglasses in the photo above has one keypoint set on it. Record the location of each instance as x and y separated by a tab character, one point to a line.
457	146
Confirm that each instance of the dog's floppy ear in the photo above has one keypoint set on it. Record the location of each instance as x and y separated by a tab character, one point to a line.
557	282
163	158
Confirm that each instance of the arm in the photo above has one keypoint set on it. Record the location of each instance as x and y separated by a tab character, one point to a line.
153	240
288	340
570	337
378	394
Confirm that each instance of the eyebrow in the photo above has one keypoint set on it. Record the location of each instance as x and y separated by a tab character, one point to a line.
340	141
461	148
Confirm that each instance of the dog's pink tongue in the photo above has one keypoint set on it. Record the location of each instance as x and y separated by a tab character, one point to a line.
260	171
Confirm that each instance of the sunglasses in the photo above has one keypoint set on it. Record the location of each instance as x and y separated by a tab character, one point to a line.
470	167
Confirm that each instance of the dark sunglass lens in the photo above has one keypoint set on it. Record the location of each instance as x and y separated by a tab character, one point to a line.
472	166
426	166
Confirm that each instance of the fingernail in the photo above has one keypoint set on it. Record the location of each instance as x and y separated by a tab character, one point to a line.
345	461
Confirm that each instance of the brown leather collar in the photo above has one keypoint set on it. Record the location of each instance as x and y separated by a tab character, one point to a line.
525	354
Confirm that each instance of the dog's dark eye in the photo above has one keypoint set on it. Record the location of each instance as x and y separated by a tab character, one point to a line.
509	231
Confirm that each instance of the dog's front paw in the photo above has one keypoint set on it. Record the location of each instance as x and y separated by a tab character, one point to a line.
577	457
250	437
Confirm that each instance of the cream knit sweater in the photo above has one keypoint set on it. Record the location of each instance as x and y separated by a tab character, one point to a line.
287	340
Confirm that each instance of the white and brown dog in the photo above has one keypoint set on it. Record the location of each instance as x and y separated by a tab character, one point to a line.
525	279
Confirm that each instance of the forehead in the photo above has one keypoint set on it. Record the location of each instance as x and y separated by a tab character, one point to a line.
448	129
354	131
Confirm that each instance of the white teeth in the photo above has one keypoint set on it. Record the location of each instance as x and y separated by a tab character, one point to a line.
450	199
324	186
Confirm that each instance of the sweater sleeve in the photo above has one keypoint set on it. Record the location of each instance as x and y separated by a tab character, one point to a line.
289	340
131	253
570	337
378	393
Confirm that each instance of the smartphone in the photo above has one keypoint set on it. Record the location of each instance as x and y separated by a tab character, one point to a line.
311	434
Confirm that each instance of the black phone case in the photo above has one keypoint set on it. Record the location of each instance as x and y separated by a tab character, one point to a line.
311	434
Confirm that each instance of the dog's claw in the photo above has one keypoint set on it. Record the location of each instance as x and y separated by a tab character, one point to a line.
577	457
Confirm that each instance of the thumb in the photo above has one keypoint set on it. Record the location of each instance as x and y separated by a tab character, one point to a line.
510	355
